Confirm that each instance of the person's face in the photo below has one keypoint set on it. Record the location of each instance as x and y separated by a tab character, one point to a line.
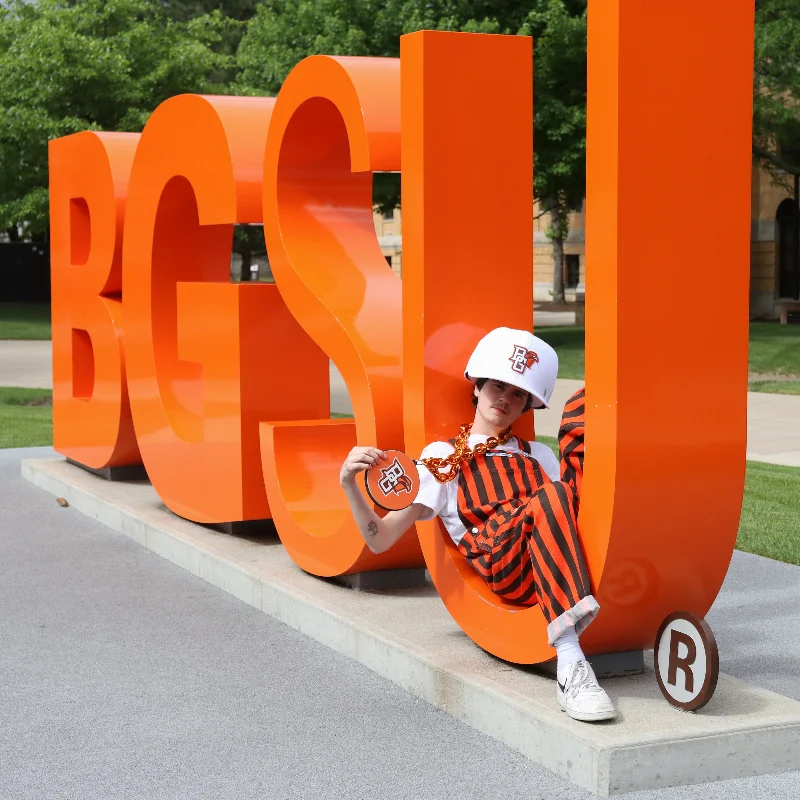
500	404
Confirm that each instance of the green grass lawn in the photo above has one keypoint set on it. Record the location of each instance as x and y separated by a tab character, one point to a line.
775	387
568	343
24	321
774	350
770	523
26	417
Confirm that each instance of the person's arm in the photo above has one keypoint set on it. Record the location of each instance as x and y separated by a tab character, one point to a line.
379	533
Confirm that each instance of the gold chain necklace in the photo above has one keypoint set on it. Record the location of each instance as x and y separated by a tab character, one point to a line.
462	453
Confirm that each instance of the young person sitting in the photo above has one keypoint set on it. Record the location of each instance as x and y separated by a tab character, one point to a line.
510	508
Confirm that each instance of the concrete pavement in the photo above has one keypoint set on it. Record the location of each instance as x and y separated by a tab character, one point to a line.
549	319
28	364
773	428
773	421
124	676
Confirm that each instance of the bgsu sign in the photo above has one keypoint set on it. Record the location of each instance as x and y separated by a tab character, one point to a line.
221	390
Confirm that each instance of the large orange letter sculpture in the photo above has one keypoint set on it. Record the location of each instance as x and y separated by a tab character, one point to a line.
664	422
467	268
666	381
335	122
206	358
228	384
88	187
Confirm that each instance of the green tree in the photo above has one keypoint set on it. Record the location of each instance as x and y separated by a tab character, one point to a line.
776	87
87	65
285	31
558	28
236	13
248	242
183	10
559	142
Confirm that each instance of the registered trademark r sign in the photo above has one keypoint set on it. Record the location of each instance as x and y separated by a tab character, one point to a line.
686	660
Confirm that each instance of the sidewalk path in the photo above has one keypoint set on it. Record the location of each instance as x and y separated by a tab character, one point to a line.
26	363
549	319
773	420
773	423
773	428
127	677
29	363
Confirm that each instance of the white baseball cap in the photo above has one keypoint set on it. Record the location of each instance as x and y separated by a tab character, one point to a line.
517	358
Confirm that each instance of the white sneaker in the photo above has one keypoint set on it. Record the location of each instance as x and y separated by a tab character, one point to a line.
581	696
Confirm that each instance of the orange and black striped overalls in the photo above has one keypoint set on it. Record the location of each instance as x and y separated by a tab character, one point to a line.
521	526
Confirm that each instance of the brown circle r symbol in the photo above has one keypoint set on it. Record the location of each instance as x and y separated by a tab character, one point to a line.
686	660
684	663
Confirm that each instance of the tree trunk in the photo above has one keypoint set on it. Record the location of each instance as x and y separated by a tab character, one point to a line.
557	229
247	259
558	269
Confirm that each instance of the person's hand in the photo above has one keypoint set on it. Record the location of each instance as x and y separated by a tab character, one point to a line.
359	459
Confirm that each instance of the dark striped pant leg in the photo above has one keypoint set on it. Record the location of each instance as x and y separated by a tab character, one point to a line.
533	554
499	554
570	442
556	555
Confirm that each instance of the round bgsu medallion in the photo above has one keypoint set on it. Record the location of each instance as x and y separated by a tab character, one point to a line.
686	660
393	482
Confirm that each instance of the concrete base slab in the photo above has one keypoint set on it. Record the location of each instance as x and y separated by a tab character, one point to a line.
609	665
250	528
133	472
383	579
407	636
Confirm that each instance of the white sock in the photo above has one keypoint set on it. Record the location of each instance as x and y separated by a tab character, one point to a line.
568	651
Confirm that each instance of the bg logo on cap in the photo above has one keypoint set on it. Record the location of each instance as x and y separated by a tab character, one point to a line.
522	359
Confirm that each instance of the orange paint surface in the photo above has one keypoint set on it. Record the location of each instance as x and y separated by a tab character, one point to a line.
207	359
666	372
88	186
659	510
229	383
467	268
335	122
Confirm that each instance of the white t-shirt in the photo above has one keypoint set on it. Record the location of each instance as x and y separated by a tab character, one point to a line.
442	498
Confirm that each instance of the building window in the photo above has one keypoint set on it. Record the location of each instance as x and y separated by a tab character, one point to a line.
788	219
388	260
573	269
388	216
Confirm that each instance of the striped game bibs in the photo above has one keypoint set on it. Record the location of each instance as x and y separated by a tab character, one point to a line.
521	527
